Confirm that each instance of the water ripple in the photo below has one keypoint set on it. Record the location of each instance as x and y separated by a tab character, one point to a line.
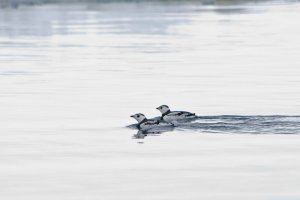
276	124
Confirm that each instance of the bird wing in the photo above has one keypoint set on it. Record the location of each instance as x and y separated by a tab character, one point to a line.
180	114
151	122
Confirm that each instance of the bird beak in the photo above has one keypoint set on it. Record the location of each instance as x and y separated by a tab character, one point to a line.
157	108
132	116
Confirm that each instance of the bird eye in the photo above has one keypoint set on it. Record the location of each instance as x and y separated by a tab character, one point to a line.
138	115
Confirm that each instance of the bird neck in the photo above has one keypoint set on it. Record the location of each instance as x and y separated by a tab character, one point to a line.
165	113
139	124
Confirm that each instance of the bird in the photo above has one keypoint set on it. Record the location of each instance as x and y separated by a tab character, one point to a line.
175	116
147	124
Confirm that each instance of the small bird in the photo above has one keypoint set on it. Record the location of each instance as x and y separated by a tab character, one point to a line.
171	116
147	124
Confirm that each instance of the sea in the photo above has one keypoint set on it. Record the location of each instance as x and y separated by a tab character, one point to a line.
73	72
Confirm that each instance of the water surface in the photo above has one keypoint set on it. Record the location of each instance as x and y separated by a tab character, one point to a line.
72	74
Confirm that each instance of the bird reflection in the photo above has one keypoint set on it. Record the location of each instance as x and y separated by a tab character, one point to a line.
141	134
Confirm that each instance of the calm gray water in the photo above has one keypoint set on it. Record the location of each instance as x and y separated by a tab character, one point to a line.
71	74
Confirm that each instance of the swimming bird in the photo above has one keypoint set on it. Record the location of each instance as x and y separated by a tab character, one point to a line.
147	124
171	116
